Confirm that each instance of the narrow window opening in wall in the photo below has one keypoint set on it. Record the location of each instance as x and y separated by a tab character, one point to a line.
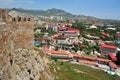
11	61
29	71
24	19
19	18
36	59
28	19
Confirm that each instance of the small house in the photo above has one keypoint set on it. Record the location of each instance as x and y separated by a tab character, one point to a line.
106	49
52	27
69	32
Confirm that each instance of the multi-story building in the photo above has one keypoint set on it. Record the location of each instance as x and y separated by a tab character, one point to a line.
52	27
117	37
69	32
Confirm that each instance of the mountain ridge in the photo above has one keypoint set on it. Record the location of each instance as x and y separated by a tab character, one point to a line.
62	13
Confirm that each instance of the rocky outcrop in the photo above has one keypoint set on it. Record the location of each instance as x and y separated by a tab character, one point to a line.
18	58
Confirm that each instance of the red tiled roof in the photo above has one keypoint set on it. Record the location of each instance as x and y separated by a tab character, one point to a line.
88	62
77	55
57	52
62	52
68	29
113	65
70	55
100	40
85	57
72	30
105	34
88	57
51	24
108	46
60	37
112	56
62	28
104	60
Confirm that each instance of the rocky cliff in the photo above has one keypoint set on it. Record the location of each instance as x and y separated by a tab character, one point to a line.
18	58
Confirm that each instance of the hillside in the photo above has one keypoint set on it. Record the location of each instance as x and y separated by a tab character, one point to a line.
68	71
49	12
58	12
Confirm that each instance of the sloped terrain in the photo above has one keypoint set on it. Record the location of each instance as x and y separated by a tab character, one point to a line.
68	71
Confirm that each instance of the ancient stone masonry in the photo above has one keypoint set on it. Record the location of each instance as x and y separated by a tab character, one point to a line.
18	59
20	17
3	15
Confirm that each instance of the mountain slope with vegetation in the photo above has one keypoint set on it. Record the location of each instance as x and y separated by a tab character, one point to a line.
66	15
49	12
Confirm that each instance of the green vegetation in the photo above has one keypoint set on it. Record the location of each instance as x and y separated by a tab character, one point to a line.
68	71
79	25
38	35
91	55
52	32
94	32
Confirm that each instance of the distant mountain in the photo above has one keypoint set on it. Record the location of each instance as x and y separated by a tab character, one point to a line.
54	12
64	14
57	12
27	11
49	12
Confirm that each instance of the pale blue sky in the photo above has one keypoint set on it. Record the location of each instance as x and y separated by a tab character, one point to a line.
106	9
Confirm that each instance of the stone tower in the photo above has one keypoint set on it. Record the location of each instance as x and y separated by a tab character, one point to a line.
18	59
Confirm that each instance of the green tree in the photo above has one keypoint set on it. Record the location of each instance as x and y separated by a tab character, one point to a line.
79	25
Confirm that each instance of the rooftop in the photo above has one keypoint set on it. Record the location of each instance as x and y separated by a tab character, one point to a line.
113	65
88	62
112	56
69	29
108	46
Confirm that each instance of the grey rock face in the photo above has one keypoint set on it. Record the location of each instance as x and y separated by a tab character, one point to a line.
18	59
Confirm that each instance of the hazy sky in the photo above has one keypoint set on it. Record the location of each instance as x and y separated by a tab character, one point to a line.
106	9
